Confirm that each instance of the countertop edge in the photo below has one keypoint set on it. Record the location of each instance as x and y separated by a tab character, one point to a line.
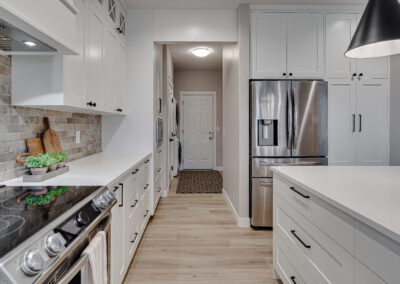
378	227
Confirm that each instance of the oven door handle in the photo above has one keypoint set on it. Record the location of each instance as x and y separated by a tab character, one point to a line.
82	261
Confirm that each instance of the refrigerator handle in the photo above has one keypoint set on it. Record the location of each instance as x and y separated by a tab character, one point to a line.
289	126
294	122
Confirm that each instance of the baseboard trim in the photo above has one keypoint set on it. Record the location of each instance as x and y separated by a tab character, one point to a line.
220	169
241	222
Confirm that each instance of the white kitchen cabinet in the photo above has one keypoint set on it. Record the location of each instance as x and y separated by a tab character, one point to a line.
373	122
305	45
358	122
117	238
338	33
110	68
121	78
268	45
287	45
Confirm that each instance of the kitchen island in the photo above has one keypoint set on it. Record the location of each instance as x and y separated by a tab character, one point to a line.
337	224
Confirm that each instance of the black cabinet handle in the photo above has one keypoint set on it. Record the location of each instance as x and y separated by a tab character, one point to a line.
159	170
354	123
160	151
159	190
360	123
134	240
94	104
146	186
115	188
147	213
290	74
300	240
89	104
293	279
134	204
122	195
284	74
147	161
159	105
299	193
135	171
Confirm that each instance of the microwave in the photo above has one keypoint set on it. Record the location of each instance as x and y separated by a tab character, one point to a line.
159	131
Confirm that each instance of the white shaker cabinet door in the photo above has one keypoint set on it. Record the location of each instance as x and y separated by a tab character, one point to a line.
372	122
268	45
342	122
95	56
339	29
111	89
117	240
122	77
305	45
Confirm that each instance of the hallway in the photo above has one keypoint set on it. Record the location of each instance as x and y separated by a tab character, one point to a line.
193	238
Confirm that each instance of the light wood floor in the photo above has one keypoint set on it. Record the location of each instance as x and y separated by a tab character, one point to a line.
194	239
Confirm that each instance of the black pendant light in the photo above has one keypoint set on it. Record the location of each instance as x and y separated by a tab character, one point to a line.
378	33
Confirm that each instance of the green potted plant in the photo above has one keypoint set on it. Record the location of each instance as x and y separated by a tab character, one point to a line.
36	165
63	159
51	160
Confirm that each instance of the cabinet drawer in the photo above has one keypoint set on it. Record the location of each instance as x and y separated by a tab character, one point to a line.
144	188
132	243
144	211
377	252
336	224
327	260
286	270
132	207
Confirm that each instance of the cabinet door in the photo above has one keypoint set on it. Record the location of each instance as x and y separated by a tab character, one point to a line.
110	70
268	45
339	29
305	46
95	56
373	68
117	240
341	122
121	96
372	122
74	65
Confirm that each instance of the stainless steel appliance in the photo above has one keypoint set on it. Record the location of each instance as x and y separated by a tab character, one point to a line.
43	231
289	126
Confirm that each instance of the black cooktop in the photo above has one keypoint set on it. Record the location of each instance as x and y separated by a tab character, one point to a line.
24	211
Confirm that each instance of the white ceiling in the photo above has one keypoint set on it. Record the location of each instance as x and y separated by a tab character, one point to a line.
227	4
183	59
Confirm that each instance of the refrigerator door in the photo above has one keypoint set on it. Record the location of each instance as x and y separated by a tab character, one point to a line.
261	213
310	118
270	118
261	167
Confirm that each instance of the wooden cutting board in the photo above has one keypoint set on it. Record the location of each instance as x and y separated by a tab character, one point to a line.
51	141
34	146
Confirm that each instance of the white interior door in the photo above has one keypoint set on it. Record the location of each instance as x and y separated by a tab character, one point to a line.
198	132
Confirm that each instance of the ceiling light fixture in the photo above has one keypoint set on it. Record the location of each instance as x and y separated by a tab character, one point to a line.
201	51
29	43
378	33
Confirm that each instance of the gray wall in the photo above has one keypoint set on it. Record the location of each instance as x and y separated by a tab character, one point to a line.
395	111
18	123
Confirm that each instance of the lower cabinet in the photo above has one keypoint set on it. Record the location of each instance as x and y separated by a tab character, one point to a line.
129	217
305	250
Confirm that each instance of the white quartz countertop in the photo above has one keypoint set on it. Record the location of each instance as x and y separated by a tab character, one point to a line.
369	194
100	169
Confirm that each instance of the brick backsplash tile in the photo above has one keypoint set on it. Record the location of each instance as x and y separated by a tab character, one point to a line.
19	123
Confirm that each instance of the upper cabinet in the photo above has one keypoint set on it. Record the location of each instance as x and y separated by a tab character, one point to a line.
339	31
94	81
287	45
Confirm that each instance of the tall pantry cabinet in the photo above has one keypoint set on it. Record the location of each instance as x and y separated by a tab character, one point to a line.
358	99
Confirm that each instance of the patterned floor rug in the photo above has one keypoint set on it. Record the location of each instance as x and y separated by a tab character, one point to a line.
199	182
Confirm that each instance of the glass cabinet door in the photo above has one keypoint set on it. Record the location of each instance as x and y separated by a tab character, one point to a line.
112	10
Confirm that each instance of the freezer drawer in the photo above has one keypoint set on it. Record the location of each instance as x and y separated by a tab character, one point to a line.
261	167
261	202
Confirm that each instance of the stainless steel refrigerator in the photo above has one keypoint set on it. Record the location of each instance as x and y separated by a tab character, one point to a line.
289	126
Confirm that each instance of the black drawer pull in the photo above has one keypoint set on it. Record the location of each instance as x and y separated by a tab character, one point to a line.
147	161
159	190
160	151
147	213
135	171
159	170
293	279
299	193
134	204
146	186
300	240
134	240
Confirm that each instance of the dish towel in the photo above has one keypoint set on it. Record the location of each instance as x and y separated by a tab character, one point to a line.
95	271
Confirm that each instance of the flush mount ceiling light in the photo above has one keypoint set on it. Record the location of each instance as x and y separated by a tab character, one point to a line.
378	33
29	43
201	51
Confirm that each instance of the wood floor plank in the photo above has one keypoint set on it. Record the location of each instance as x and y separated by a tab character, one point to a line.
193	238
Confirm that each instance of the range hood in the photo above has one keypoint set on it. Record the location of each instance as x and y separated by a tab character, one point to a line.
26	27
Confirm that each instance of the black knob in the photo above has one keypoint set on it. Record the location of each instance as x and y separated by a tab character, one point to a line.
290	74
354	74
89	104
94	104
361	74
81	219
284	74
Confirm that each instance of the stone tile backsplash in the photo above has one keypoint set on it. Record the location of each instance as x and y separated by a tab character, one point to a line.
19	123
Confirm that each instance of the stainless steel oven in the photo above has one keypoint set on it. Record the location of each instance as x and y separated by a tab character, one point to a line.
68	268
